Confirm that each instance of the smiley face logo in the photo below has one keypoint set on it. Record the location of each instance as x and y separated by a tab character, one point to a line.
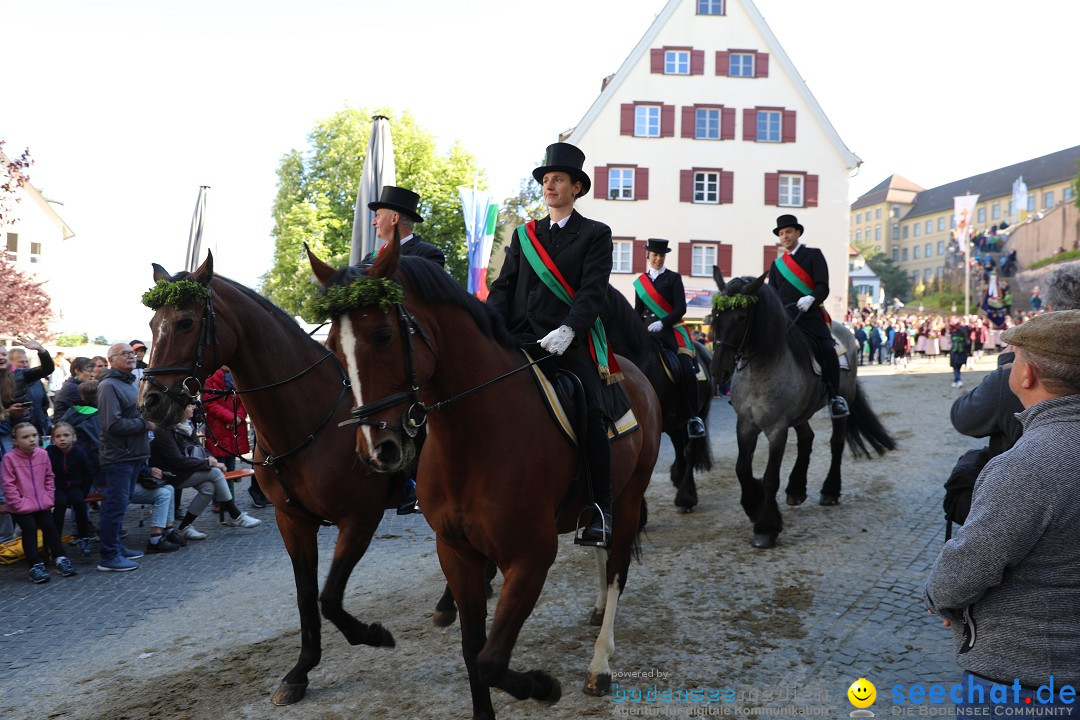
862	693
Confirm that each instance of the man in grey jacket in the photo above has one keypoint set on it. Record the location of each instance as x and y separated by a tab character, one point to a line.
125	448
1009	582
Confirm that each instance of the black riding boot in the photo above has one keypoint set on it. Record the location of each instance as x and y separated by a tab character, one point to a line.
830	373
695	428
598	455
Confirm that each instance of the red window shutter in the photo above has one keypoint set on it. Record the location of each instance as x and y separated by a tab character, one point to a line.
600	182
772	188
697	62
667	121
727	124
761	65
749	124
627	119
723	259
771	253
788	129
638	263
727	187
686	257
657	57
686	186
810	190
641	183
723	63
689	121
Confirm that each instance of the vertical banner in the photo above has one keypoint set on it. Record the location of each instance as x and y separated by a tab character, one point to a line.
481	214
963	215
1019	199
378	170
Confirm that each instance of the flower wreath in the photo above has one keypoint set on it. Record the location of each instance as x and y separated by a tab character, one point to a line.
174	292
721	303
362	292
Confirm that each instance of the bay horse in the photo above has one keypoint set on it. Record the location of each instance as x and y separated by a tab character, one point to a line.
774	388
628	336
496	476
296	393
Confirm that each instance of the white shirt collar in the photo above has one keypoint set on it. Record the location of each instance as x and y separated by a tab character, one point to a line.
795	250
653	274
561	223
406	239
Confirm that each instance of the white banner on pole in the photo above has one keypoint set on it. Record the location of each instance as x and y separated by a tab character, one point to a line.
963	214
1019	199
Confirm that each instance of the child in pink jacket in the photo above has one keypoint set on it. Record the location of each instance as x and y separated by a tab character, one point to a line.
28	484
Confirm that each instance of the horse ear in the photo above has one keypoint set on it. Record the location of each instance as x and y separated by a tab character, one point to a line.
160	273
718	278
322	270
753	287
386	261
205	273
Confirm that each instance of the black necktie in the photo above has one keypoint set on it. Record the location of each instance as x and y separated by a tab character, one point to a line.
555	229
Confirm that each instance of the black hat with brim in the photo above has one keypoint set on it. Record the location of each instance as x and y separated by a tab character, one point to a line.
399	200
567	158
657	245
787	221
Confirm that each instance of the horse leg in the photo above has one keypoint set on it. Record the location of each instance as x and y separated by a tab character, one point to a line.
796	487
463	568
747	437
301	543
682	472
769	522
830	489
596	618
446	610
354	536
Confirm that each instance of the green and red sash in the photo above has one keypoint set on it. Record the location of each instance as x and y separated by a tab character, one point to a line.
661	308
794	273
549	274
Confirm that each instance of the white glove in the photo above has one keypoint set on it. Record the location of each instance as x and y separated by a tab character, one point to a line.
804	303
656	326
557	341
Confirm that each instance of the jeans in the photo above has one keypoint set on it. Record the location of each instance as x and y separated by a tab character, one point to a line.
977	701
956	372
161	498
119	483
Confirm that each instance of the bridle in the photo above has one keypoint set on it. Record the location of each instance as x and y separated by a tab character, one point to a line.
739	351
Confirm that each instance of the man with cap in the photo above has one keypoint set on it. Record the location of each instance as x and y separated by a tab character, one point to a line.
395	214
1013	568
801	277
660	300
566	247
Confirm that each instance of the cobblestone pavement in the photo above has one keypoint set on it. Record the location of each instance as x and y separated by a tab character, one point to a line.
839	599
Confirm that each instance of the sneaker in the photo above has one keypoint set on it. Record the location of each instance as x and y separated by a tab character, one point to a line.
190	533
243	520
129	553
117	564
959	383
84	547
174	537
161	546
38	574
64	566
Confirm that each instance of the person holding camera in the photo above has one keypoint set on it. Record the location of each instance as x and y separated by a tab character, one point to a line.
16	405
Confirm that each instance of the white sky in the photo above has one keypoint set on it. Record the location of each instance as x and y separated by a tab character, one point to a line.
128	106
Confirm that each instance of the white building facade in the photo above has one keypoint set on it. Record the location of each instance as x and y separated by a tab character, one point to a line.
703	137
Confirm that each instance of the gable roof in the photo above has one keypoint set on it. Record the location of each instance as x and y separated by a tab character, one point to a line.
611	87
44	204
895	188
1037	172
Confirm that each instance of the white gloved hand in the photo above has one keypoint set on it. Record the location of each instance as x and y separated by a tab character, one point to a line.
557	341
656	326
804	303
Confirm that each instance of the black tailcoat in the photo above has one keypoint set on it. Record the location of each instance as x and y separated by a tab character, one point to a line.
813	262
669	285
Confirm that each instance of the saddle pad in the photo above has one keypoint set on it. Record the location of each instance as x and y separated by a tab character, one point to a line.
624	425
665	362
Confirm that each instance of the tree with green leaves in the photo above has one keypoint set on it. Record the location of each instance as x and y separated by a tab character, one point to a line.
894	280
317	195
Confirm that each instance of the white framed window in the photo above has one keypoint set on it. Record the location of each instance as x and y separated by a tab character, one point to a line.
926	274
877	213
917	229
13	246
768	125
1068	193
896	253
941	224
905	232
877	233
622	256
995	211
707	124
1031	202
1012	208
940	247
915	252
926	251
1048	199
35	252
676	62
647	121
620	183
858	235
929	226
858	217
741	64
706	188
710	7
702	258
981	215
791	193
903	257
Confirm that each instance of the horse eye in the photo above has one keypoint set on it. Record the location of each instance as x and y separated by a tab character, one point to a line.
185	324
382	337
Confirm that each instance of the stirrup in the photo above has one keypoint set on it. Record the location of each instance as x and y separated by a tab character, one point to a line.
695	422
579	540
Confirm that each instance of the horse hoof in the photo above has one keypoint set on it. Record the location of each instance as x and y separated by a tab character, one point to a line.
554	693
598	685
829	499
763	542
596	619
289	693
796	499
444	618
684	509
378	636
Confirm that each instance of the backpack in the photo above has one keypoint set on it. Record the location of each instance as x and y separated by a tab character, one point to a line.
959	487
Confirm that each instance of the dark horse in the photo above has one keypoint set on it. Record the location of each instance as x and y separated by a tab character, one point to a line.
628	337
774	388
295	392
496	476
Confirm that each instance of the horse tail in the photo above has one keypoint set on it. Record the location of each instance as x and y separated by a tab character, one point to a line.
864	424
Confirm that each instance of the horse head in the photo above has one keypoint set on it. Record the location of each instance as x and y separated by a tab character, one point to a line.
371	334
187	347
733	308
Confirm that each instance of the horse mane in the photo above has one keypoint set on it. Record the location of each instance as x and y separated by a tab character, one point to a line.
626	333
771	323
431	284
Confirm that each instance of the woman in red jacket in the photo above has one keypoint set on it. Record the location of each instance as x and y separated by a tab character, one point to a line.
227	429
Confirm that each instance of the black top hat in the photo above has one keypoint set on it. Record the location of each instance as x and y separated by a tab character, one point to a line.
399	200
567	158
787	221
657	245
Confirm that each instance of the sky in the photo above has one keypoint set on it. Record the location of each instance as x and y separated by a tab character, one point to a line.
129	106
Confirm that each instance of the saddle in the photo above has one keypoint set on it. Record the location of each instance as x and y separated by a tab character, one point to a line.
673	368
841	355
